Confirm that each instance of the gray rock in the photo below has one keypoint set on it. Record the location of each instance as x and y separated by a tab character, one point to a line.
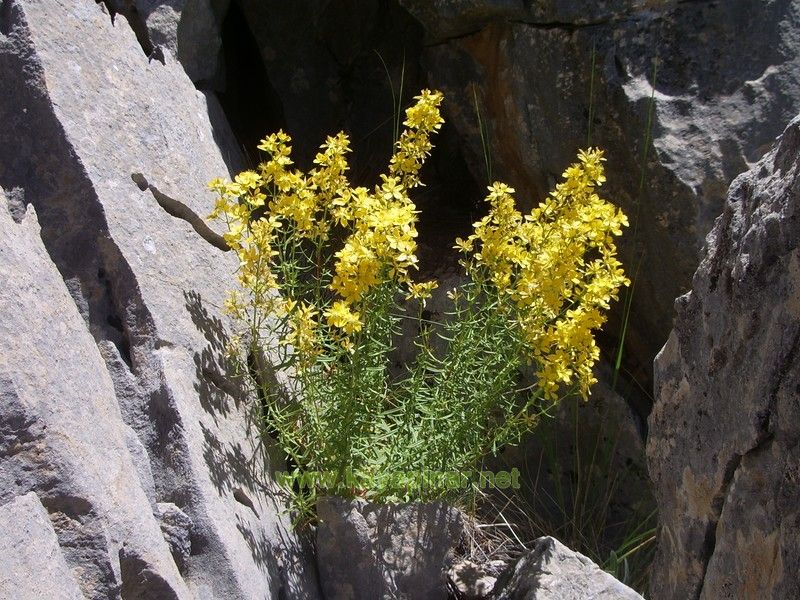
720	98
723	452
32	565
114	152
474	581
551	571
61	432
372	551
444	19
177	529
188	30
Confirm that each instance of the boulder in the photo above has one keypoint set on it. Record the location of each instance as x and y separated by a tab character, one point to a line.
723	449
113	150
32	565
551	571
370	551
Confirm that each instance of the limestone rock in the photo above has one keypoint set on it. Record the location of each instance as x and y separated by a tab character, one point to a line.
32	565
723	446
177	529
444	19
188	30
114	151
551	571
61	432
370	551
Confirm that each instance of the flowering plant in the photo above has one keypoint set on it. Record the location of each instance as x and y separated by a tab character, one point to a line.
323	270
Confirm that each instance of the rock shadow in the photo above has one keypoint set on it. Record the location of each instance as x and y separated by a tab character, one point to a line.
242	468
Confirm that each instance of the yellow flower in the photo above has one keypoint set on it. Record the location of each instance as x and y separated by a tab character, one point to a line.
463	245
421	291
538	262
391	189
340	315
302	334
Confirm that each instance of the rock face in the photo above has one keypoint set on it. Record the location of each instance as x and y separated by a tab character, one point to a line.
116	408
61	431
368	551
33	565
187	30
723	449
551	571
117	418
723	78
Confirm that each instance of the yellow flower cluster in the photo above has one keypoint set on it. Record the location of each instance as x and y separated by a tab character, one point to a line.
323	264
264	206
383	240
558	268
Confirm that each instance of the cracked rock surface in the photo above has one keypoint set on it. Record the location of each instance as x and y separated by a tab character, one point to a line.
63	441
723	449
117	412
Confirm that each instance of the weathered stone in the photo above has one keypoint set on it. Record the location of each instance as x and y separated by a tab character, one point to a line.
114	152
61	432
445	19
542	71
177	529
474	581
551	571
723	446
186	29
375	551
32	565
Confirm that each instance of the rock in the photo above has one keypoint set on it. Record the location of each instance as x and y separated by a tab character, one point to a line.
61	432
444	19
186	29
372	551
723	449
719	98
177	529
114	151
32	565
474	581
551	571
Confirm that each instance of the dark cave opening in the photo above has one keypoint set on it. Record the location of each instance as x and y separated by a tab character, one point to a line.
250	102
352	81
